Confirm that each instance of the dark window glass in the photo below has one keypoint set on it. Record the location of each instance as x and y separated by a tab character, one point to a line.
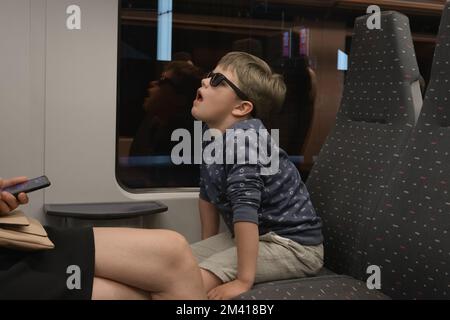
299	40
202	32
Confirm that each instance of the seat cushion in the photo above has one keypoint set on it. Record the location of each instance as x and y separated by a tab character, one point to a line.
330	287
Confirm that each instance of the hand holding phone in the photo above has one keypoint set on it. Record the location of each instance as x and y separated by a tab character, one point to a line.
9	202
29	186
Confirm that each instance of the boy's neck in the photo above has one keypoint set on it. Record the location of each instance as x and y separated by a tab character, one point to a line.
224	125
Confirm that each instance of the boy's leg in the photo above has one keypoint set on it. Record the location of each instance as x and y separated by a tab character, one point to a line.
281	258
204	249
278	259
210	280
156	261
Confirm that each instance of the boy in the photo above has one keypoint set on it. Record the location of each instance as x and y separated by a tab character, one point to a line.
277	232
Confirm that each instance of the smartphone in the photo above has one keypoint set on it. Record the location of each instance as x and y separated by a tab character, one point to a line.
29	186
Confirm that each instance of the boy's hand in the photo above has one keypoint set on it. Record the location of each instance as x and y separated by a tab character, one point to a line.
229	290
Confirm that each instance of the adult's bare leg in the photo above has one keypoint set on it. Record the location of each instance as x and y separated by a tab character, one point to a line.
156	261
105	289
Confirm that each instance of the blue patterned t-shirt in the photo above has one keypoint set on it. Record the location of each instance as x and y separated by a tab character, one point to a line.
278	202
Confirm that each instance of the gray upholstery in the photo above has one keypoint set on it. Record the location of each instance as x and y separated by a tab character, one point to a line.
375	119
409	236
316	288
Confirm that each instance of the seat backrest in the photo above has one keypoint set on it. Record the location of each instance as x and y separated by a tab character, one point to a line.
373	124
409	235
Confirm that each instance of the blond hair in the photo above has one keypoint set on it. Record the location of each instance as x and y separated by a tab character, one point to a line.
264	88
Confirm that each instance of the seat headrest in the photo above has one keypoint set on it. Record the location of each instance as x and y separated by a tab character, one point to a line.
436	108
382	68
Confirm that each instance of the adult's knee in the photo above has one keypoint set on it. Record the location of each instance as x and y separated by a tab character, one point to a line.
178	249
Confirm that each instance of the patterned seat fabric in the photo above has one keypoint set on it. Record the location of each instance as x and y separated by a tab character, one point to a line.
409	235
376	117
317	288
374	123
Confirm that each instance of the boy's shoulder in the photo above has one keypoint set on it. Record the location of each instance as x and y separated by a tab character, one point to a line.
252	123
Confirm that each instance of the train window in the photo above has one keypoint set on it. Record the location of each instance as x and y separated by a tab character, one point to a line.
166	46
158	77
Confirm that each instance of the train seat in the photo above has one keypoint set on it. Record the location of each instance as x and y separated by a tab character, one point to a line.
409	234
379	110
377	114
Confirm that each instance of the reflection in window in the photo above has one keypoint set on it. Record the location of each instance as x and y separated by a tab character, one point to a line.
155	97
164	48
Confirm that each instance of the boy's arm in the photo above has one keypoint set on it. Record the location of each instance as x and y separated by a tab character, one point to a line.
247	244
244	189
209	217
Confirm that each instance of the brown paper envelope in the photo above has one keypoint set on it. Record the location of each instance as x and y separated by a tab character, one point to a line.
15	218
35	228
23	241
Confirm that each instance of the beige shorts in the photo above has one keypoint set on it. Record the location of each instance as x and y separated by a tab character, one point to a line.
278	258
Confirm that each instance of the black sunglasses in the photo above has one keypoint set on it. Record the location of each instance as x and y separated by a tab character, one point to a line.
218	78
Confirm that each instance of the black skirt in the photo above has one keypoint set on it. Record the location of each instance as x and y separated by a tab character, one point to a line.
48	275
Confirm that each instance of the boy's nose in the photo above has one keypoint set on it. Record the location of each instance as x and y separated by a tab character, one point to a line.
205	82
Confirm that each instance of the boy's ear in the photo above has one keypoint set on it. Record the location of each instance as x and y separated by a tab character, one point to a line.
243	109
